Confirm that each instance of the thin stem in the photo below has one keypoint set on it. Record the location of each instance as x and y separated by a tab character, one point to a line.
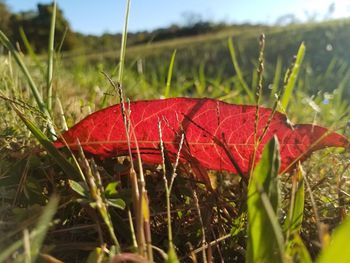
167	190
132	230
314	208
50	58
176	162
258	95
123	43
204	242
92	176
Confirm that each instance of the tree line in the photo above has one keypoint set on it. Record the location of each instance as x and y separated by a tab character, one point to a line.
33	27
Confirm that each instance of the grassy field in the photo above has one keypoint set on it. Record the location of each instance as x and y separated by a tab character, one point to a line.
203	65
47	211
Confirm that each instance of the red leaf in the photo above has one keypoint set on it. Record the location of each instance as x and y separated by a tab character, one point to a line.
218	136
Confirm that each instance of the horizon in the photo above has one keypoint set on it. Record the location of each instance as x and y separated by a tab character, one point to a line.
155	14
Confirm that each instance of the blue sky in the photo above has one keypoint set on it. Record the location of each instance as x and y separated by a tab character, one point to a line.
97	17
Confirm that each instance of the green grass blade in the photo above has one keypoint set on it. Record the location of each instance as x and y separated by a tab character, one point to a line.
60	45
50	58
293	76
37	235
29	49
172	257
37	96
42	226
201	86
265	238
66	166
123	43
295	247
276	79
297	251
337	251
238	70
7	252
339	95
26	43
296	211
170	73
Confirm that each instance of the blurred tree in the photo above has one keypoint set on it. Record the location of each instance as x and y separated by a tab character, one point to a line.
5	16
330	11
191	18
287	19
36	26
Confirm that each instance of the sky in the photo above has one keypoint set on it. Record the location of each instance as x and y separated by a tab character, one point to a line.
97	17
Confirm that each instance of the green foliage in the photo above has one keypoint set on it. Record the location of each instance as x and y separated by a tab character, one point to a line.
80	188
38	98
35	238
36	26
263	200
172	257
291	77
66	166
33	87
337	249
5	17
170	73
296	210
276	79
295	247
238	70
296	250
